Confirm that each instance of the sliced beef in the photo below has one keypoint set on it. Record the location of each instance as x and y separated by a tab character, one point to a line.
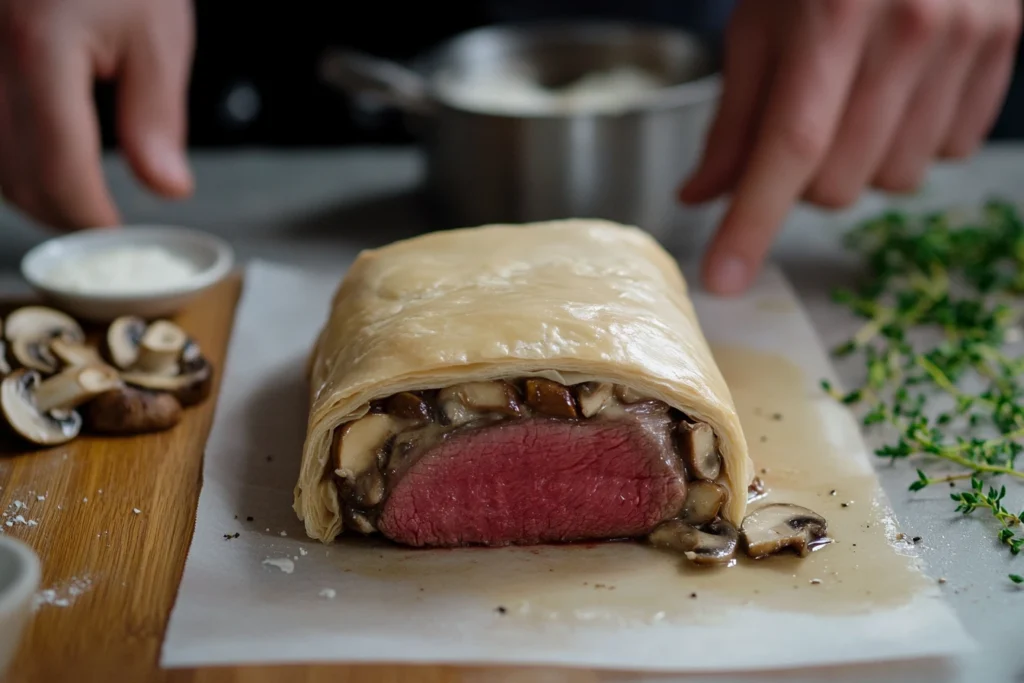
537	480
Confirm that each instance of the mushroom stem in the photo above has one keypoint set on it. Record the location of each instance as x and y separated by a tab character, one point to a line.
160	348
73	387
73	353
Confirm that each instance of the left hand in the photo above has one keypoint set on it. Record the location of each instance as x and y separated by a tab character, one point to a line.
824	98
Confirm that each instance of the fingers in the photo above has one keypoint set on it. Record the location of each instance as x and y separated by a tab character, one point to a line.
930	113
49	133
987	83
895	56
808	93
745	81
152	94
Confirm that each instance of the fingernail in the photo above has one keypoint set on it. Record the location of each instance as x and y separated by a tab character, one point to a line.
728	274
169	164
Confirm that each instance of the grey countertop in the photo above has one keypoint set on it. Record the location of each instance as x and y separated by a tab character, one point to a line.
317	208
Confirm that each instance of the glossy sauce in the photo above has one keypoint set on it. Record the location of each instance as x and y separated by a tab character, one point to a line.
868	566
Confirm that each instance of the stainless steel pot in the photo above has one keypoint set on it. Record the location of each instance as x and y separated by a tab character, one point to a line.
487	165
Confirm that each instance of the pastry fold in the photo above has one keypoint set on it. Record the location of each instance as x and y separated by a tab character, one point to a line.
571	301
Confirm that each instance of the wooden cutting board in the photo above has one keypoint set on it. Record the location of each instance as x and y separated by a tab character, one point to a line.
114	572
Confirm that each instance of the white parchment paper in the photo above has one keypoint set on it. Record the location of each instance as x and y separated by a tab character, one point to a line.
270	594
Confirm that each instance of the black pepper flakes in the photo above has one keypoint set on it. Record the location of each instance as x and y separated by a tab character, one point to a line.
845	505
916	539
502	610
248	519
270	458
832	492
693	595
228	537
777	417
764	439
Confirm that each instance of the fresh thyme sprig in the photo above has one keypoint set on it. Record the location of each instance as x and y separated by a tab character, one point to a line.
939	311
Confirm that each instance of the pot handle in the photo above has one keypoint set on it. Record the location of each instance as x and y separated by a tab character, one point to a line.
358	73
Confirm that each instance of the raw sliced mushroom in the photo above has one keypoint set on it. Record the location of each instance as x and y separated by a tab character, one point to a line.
5	367
711	544
409	406
73	353
595	397
40	322
704	500
781	526
34	354
697	444
159	357
550	398
190	386
463	403
123	339
161	349
128	410
43	410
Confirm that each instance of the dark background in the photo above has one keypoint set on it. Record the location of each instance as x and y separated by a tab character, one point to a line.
255	82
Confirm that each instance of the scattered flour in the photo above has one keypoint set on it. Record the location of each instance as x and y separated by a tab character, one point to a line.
283	563
63	595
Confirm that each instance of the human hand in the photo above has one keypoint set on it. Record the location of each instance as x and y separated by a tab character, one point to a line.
51	52
823	98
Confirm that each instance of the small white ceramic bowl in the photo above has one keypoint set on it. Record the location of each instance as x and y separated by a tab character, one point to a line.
212	257
19	581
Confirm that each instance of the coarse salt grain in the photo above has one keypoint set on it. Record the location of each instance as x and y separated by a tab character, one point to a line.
328	593
136	510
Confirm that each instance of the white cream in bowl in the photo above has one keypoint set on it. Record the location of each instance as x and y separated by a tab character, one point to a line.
19	580
149	271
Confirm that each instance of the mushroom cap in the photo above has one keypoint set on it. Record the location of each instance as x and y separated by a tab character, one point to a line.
128	410
5	367
123	339
781	526
17	405
41	322
34	353
189	387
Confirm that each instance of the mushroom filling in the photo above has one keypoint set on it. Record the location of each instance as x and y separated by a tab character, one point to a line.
376	449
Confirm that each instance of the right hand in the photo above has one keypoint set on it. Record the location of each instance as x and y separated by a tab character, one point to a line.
51	53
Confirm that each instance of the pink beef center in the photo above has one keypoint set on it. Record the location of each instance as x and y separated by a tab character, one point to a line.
536	481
